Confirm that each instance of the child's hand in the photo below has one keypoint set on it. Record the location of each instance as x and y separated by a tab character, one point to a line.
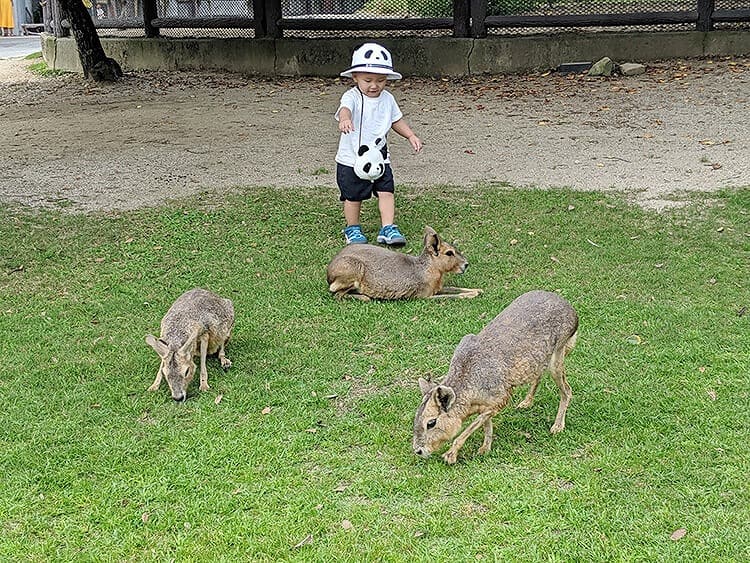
416	143
346	126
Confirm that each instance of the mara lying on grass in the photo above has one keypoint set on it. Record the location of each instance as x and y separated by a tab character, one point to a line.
365	271
534	333
198	323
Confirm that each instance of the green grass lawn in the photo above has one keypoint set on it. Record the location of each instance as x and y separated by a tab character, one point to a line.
94	467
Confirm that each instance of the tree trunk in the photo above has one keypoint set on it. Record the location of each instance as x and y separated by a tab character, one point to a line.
93	60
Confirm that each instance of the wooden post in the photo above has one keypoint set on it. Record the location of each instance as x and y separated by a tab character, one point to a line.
47	16
461	16
478	10
57	17
272	17
259	18
150	13
705	15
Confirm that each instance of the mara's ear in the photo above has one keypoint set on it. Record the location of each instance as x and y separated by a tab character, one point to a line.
445	396
362	150
431	240
425	385
159	346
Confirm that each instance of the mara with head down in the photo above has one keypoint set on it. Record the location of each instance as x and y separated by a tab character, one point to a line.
533	334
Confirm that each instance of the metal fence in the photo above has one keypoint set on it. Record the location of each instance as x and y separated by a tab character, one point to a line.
394	18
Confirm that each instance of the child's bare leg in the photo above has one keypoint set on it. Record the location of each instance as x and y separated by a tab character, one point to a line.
351	212
387	207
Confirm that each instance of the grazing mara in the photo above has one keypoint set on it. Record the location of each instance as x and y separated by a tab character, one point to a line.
198	323
533	334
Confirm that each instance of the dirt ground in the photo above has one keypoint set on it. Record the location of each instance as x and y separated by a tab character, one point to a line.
73	144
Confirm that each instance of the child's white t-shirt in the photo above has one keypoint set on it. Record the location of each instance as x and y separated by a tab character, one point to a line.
372	116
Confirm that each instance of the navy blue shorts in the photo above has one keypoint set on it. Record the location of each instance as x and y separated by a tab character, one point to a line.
354	188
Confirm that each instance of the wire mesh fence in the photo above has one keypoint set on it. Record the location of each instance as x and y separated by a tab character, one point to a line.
398	18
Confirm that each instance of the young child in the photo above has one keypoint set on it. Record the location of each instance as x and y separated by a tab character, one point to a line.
366	113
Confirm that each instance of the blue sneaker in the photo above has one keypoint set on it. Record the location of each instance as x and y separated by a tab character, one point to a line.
391	235
354	235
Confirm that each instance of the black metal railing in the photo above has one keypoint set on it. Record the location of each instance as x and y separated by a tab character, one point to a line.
457	18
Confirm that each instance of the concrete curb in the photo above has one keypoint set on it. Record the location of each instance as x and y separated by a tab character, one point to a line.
441	56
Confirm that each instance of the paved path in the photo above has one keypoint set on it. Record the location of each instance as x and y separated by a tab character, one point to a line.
14	47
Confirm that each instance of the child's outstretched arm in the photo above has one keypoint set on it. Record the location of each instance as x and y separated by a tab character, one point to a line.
403	129
345	120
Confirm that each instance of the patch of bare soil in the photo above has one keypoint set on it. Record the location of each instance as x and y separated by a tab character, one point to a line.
68	142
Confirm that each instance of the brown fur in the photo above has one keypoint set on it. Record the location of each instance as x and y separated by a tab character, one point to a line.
533	334
198	323
365	271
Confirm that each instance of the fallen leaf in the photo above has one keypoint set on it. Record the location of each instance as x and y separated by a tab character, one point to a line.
129	240
308	539
311	430
218	398
99	260
347	525
341	488
266	410
469	151
419	534
712	394
513	241
145	516
555	259
678	534
702	369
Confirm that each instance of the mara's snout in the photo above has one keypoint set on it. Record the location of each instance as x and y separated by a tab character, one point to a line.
422	452
461	268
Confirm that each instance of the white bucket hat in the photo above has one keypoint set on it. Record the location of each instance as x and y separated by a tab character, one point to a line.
374	58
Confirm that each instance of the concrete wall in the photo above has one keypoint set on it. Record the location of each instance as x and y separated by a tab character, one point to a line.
442	56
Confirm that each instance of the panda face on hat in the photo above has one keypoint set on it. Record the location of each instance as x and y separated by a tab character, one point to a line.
372	58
